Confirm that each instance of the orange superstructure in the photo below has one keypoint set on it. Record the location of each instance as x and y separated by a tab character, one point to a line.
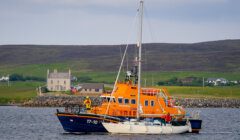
123	102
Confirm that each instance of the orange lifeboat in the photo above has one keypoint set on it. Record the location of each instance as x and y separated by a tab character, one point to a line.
123	103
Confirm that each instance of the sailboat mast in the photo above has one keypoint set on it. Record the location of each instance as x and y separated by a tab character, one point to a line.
139	45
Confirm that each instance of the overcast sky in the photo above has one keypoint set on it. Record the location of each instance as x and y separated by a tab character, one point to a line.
111	21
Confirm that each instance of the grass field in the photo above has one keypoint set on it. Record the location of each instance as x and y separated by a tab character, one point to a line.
21	91
79	69
18	91
208	92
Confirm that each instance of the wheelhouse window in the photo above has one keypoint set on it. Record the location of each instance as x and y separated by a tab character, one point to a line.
120	100
133	101
104	99
152	103
146	103
126	101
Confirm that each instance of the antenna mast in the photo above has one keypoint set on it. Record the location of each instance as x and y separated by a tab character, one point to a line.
139	45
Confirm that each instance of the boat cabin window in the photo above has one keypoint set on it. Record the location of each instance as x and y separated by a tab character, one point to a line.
104	99
146	103
126	101
113	99
152	103
108	99
120	100
133	101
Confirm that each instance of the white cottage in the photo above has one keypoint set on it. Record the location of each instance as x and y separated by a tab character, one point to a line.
217	81
58	81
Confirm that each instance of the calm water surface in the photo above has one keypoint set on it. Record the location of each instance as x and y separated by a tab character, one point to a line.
41	123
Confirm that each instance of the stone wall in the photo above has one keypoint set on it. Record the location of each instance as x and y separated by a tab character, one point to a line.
60	101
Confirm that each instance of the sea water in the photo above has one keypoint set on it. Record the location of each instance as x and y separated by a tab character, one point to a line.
41	123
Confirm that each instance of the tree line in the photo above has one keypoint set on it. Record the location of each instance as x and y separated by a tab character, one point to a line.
19	77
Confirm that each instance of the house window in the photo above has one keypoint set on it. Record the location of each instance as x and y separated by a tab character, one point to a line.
126	101
152	103
85	89
120	100
146	103
51	81
58	82
65	82
133	101
96	90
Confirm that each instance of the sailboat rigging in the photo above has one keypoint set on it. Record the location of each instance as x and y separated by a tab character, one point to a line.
135	126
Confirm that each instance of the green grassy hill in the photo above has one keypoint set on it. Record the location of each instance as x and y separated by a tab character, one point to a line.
215	56
161	61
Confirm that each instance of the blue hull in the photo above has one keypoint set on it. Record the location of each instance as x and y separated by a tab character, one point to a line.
74	124
196	125
85	123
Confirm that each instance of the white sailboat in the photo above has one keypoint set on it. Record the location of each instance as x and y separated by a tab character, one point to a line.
143	127
135	126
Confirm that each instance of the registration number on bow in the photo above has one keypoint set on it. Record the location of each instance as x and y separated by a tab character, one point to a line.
92	121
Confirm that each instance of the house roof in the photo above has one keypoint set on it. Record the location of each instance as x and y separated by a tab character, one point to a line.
214	79
92	85
61	75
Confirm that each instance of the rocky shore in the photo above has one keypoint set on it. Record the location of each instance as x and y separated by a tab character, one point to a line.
61	101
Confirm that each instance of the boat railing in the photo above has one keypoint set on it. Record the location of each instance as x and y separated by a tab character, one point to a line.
150	91
75	109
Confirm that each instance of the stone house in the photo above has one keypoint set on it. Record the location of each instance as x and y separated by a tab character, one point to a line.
94	89
58	81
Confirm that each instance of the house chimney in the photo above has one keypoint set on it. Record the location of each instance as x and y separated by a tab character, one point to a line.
55	71
47	73
69	71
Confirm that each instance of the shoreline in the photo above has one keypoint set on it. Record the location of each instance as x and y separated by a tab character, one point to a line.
61	101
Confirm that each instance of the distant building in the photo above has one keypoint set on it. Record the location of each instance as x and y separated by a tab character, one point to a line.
217	81
4	78
89	89
234	82
58	81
